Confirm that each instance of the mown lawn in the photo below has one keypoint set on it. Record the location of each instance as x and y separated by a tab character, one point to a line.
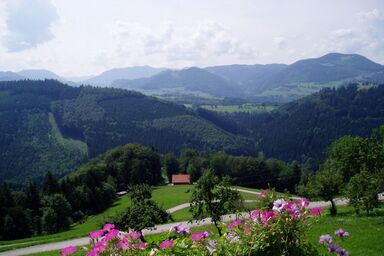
366	232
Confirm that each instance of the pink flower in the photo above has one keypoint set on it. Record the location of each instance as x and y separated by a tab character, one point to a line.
316	211
263	193
234	224
112	234
67	251
96	234
267	216
108	227
166	244
303	202
140	246
246	229
256	214
135	234
199	236
123	245
100	246
92	253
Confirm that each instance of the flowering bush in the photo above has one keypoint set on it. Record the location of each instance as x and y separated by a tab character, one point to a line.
277	231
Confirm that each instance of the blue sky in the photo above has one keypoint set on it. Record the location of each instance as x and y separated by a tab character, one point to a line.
82	37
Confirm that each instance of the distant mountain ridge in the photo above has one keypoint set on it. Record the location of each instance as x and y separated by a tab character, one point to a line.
107	77
266	83
276	82
191	79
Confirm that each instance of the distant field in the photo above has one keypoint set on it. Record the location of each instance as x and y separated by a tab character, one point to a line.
240	108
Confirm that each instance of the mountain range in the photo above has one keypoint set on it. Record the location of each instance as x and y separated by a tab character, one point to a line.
270	82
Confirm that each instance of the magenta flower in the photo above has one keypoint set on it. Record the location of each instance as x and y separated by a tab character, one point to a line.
96	234
263	193
108	227
325	239
199	236
234	224
100	246
135	234
341	233
166	244
140	246
267	216
256	214
67	251
303	202
92	253
316	211
124	246
112	234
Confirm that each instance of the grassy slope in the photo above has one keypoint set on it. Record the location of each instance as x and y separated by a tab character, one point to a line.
166	196
70	144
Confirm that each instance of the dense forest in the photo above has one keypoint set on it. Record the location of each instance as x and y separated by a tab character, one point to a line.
303	129
48	126
55	204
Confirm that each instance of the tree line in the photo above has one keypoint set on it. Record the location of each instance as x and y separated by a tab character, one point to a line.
55	204
354	168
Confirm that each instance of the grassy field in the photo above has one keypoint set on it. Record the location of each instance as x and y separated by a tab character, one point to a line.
240	108
366	233
166	196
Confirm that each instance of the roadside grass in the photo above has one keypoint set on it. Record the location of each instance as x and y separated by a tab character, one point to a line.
366	232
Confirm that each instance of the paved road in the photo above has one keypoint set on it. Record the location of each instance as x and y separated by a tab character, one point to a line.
158	229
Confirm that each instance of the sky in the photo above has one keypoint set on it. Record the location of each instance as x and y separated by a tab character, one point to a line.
86	37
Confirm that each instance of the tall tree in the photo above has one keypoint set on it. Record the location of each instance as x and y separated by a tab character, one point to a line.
50	184
171	165
213	197
142	213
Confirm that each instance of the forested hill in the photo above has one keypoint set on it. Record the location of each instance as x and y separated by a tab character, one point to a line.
303	129
49	126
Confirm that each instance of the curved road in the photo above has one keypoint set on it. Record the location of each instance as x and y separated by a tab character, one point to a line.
157	229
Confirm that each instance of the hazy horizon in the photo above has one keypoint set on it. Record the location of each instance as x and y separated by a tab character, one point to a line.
82	38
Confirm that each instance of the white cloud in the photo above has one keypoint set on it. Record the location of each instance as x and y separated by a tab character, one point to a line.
280	42
28	23
374	14
196	45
